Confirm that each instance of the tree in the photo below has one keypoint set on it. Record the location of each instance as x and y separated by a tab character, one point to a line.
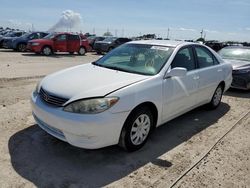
201	40
107	34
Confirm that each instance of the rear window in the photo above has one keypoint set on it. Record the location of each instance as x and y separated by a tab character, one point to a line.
73	37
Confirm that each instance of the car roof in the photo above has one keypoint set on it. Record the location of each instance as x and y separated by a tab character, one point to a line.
171	43
237	47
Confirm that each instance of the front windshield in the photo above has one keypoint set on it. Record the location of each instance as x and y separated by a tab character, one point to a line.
235	53
50	36
109	39
137	58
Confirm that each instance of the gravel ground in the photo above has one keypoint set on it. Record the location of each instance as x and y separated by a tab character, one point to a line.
32	158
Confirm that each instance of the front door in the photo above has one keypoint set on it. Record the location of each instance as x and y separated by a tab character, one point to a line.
60	43
179	93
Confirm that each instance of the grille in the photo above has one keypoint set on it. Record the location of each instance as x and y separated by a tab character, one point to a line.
51	99
237	81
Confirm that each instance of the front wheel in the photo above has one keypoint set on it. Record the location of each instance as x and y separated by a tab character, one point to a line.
216	99
136	129
47	51
21	47
82	51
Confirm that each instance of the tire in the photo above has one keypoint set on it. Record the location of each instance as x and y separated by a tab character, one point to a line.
21	47
216	99
111	48
82	51
47	51
71	53
99	53
136	129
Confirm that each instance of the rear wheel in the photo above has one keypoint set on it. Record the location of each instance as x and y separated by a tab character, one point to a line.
82	51
21	47
216	99
136	129
47	51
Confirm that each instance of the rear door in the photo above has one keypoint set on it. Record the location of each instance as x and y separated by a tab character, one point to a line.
179	93
210	73
73	44
60	43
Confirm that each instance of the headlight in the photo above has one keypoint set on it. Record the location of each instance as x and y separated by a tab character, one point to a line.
35	44
91	106
242	71
37	88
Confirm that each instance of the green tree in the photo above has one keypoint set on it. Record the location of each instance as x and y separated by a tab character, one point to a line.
107	34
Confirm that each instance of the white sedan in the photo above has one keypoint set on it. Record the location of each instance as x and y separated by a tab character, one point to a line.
123	96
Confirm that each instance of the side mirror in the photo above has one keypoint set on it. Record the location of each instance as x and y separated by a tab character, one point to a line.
178	72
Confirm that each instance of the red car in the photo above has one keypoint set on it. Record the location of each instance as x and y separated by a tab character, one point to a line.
59	42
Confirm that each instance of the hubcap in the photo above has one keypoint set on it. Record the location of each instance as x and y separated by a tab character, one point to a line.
140	129
21	47
46	51
217	96
82	50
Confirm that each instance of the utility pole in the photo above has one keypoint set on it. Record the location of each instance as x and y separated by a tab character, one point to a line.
201	33
168	33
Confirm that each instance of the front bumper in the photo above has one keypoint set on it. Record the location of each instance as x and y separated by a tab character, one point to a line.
241	81
36	49
90	131
7	44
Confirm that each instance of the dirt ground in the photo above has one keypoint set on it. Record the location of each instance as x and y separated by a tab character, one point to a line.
32	158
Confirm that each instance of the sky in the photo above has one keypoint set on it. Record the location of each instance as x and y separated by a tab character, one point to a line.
220	19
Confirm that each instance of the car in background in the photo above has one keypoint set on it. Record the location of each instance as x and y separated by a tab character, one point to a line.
59	42
93	39
109	44
10	35
140	86
239	58
215	45
20	43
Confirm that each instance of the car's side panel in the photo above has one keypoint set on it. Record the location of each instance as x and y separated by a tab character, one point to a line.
179	94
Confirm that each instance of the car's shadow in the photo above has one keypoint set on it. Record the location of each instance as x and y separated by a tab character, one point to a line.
56	55
48	162
238	93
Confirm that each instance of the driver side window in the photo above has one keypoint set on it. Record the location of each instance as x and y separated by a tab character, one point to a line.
61	37
184	58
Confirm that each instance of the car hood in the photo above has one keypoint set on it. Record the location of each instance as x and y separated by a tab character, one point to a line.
237	63
87	81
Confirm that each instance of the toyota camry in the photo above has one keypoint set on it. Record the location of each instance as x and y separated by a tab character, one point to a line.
124	95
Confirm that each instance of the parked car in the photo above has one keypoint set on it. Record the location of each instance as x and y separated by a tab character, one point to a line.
10	35
59	42
93	39
20	43
140	86
215	45
109	43
239	57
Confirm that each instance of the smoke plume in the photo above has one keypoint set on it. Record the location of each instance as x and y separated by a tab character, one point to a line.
68	20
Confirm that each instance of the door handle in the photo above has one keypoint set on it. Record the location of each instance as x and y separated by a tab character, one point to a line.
196	77
219	70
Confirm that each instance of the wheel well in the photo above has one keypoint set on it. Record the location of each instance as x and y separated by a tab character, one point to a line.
222	83
20	43
151	107
84	48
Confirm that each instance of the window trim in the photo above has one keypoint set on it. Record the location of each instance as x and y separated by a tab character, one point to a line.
206	49
193	54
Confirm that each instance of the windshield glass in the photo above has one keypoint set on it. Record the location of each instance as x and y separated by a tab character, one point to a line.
50	36
235	53
109	39
137	58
